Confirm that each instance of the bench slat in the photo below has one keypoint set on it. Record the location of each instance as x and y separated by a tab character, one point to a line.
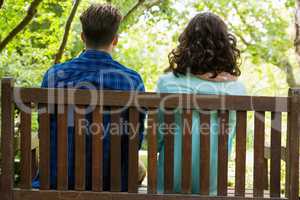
79	149
240	166
133	164
152	152
97	154
152	100
259	143
169	152
275	154
44	143
205	153
62	147
187	152
223	153
25	131
115	150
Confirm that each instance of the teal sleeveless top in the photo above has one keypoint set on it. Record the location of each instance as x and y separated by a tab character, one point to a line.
189	84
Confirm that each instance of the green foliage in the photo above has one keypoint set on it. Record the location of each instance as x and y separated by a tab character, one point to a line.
148	35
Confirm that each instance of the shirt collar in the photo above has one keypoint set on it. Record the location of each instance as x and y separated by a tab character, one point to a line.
95	54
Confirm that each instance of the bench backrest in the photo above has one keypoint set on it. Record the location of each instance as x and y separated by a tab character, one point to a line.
29	98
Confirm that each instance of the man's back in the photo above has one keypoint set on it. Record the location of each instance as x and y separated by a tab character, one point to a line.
92	70
95	70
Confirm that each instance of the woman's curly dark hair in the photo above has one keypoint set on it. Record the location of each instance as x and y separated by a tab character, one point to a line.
205	46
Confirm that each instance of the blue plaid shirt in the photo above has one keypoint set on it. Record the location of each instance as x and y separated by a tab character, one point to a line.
97	70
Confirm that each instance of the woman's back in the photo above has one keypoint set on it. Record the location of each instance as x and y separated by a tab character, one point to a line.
190	84
169	83
206	61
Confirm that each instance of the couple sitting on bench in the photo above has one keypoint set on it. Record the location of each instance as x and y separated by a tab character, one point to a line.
206	61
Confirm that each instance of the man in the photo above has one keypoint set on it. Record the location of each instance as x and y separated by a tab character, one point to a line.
94	68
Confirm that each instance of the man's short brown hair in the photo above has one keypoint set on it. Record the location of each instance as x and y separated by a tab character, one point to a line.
100	24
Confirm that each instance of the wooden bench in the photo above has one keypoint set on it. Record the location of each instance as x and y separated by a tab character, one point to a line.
15	97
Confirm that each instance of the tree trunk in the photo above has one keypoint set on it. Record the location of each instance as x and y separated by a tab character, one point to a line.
297	28
286	66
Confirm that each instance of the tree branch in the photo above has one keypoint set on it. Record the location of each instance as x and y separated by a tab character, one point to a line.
67	31
132	10
1	3
140	3
244	21
154	3
30	14
239	35
283	65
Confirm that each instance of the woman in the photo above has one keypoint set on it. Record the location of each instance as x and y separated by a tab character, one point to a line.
206	61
